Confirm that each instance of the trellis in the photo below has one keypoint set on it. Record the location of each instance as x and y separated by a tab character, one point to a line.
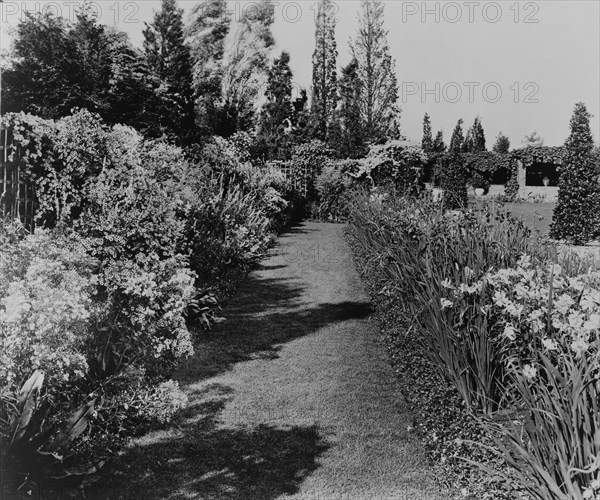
17	196
299	177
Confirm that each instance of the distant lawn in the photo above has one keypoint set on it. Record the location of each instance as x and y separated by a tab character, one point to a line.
536	216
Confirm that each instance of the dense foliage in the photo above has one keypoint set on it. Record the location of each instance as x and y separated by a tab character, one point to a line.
376	73
58	65
98	306
577	211
324	73
161	173
510	326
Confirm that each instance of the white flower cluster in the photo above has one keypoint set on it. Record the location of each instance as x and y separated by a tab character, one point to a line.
45	308
538	301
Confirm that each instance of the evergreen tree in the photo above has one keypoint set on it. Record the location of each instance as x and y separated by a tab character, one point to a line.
276	120
453	175
577	214
324	72
475	140
350	142
134	90
301	119
169	59
427	141
376	71
439	146
457	139
502	144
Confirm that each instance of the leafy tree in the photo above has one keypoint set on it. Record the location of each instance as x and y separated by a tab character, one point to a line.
533	140
277	113
350	140
169	59
475	140
34	82
502	144
577	213
427	141
376	71
245	67
206	32
324	72
58	66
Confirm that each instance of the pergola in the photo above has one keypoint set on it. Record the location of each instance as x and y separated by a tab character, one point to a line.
534	170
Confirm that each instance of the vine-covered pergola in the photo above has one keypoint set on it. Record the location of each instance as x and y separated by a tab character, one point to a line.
533	166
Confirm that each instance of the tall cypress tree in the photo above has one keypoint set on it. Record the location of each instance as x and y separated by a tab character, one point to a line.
169	58
276	119
427	141
350	141
457	139
577	214
324	77
376	70
454	178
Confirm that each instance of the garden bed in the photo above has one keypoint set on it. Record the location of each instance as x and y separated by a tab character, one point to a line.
504	403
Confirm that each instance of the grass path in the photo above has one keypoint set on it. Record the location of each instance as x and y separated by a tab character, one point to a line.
291	398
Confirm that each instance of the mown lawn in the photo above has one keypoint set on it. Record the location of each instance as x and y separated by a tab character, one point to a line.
536	216
291	398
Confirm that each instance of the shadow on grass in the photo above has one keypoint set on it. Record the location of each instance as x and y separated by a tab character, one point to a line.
265	314
202	460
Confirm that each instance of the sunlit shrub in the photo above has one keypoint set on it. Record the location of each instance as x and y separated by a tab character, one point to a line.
46	290
399	163
333	187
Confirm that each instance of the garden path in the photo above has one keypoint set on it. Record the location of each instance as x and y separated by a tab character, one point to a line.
291	398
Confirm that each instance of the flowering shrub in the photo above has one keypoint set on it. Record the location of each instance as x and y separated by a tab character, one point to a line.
98	304
46	289
135	231
399	162
333	187
56	302
268	188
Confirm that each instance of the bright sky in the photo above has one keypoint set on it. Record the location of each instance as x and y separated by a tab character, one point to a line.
521	66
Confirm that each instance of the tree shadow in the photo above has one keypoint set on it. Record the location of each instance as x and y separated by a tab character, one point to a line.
201	459
263	317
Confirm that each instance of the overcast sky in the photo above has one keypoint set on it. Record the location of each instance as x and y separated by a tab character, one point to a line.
521	66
